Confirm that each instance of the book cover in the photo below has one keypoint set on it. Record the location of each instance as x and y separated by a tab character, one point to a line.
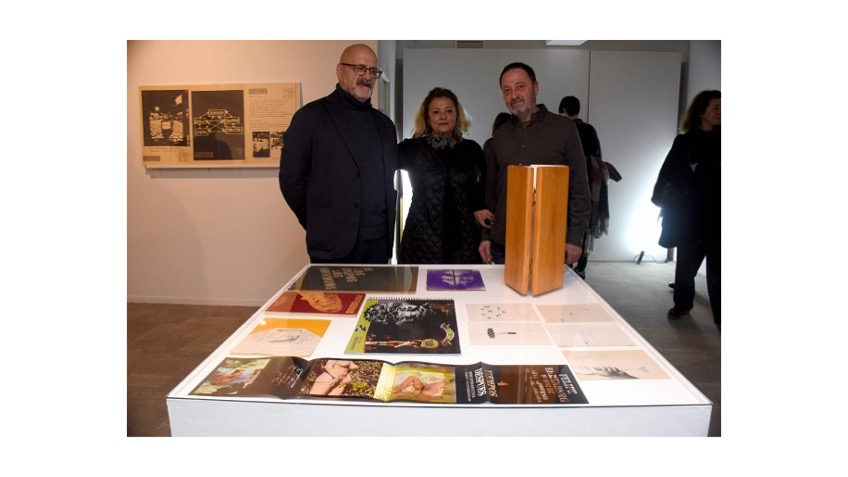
455	279
319	302
529	384
400	325
272	376
283	337
376	380
337	278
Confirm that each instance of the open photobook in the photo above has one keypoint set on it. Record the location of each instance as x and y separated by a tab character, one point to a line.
406	325
291	377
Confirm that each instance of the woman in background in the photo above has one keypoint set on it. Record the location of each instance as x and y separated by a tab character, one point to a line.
688	190
446	172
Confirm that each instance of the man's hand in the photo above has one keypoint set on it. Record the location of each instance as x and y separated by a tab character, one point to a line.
572	253
486	251
484	217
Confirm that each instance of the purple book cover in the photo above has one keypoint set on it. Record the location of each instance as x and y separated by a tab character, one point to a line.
454	279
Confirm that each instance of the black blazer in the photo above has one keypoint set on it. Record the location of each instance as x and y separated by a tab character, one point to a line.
320	176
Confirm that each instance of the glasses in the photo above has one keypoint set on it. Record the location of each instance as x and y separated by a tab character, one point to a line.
361	69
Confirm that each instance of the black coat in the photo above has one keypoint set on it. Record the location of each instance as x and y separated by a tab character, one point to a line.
688	189
320	175
448	187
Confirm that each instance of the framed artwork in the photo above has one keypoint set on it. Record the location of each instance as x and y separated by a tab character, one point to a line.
233	125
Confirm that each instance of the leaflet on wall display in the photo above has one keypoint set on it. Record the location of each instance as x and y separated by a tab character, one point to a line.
375	380
380	279
223	125
406	325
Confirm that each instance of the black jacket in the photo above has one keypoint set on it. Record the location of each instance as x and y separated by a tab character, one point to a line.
321	176
448	186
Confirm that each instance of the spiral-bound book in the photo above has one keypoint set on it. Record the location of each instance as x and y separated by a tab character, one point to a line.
406	325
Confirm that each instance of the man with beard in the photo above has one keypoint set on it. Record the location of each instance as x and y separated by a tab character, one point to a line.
533	135
338	160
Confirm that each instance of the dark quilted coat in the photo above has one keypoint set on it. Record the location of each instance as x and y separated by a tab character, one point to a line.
447	187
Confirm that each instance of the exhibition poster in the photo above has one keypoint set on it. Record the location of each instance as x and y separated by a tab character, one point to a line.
375	380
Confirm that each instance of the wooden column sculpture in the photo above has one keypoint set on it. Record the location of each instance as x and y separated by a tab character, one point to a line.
536	215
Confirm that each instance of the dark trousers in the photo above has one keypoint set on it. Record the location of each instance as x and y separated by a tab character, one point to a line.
498	253
689	259
365	251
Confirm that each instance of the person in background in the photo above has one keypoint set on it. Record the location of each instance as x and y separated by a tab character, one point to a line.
337	168
446	171
533	135
688	190
500	120
598	175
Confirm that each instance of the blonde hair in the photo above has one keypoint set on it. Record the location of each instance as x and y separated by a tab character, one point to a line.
419	125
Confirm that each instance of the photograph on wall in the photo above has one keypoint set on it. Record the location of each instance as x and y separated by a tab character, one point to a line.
283	337
401	325
501	312
218	124
318	302
164	118
289	377
226	125
614	365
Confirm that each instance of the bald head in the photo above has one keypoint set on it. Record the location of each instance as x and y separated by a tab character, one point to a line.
359	86
352	52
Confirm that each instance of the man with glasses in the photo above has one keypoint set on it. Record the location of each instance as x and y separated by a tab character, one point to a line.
337	167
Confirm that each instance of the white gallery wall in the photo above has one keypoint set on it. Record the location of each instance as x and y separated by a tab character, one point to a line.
631	97
215	236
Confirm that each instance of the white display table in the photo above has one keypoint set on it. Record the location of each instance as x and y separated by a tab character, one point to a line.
670	406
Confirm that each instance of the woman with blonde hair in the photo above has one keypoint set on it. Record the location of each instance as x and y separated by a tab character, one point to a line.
446	171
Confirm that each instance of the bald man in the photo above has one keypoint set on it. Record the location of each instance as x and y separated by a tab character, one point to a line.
337	168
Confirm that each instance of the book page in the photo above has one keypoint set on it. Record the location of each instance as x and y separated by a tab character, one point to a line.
283	337
606	365
589	334
501	312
